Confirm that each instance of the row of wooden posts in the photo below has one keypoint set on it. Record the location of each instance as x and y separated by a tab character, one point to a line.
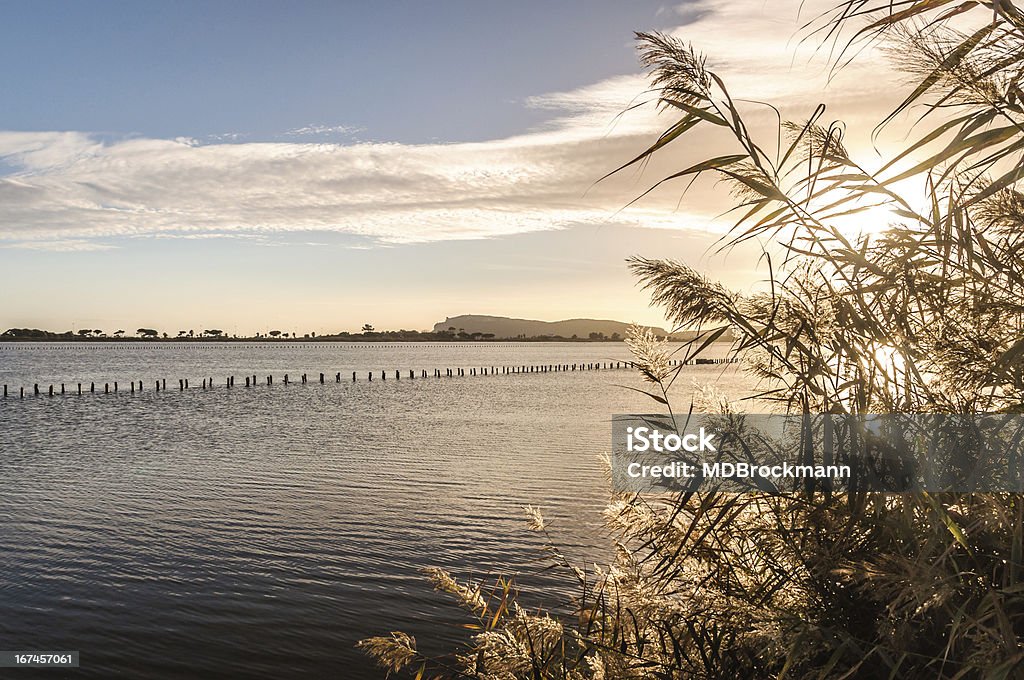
251	381
195	343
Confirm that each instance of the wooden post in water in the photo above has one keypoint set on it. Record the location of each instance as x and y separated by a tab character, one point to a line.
115	387
164	386
369	376
51	390
186	383
285	378
181	385
79	388
22	392
337	378
36	389
62	388
5	391
132	384
106	388
246	381
92	388
398	375
353	376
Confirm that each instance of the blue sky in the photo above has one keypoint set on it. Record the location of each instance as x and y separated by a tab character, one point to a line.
320	165
409	72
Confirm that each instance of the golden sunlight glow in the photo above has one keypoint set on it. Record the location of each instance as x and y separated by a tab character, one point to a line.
891	362
874	219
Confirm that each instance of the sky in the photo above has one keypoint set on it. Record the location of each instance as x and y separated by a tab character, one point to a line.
314	166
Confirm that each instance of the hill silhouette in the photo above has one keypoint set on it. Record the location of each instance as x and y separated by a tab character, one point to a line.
505	327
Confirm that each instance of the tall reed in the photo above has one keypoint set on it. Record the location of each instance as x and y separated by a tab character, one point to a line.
925	316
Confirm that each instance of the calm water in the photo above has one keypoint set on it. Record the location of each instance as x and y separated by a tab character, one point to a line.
261	532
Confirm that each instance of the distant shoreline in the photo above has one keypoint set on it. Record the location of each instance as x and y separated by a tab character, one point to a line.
451	330
326	338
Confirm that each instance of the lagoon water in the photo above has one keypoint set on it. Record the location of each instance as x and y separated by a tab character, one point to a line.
257	533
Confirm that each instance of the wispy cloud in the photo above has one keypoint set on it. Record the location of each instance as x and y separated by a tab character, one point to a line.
227	137
70	187
204	236
323	131
60	246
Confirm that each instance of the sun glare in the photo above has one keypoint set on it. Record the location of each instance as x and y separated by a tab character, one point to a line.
876	218
890	361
